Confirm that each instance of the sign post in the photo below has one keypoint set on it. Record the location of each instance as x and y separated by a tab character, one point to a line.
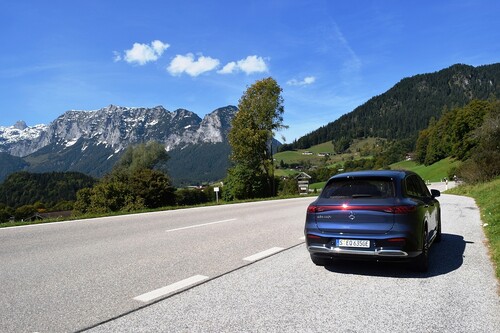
216	190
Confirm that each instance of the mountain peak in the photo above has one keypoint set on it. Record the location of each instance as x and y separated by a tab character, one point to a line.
20	125
229	109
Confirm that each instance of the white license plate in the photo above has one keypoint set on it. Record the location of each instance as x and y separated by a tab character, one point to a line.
353	243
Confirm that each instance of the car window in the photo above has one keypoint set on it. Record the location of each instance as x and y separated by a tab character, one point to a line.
424	190
415	187
412	187
359	188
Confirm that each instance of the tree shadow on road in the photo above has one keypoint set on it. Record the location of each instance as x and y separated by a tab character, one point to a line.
444	257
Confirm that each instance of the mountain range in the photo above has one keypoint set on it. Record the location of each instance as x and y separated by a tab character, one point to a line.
92	141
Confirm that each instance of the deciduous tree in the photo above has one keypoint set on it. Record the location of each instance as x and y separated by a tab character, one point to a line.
132	185
260	114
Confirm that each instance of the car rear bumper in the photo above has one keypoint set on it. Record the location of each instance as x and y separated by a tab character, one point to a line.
378	252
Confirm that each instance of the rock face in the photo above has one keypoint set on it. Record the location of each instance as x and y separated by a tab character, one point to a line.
117	127
92	141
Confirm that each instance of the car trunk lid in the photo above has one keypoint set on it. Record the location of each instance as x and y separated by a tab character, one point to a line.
356	216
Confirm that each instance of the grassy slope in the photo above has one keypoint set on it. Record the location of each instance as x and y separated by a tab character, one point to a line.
296	156
434	173
487	197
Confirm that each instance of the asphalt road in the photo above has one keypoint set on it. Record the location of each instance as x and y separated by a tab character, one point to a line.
64	277
123	274
287	293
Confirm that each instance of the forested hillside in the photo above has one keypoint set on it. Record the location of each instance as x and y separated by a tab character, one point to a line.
470	134
197	164
23	188
10	164
407	108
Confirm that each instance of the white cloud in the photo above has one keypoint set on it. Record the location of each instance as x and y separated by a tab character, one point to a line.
187	64
306	81
249	65
252	64
190	64
228	68
309	80
159	46
116	56
143	53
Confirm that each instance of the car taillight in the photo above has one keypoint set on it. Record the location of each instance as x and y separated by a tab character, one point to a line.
309	236
403	209
317	239
397	241
387	209
312	209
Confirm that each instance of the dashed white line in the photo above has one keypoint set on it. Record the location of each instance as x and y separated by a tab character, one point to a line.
170	288
263	254
199	225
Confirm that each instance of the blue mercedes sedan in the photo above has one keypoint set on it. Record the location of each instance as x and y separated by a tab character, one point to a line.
374	215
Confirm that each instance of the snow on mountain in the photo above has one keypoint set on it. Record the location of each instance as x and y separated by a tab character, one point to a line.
117	127
19	138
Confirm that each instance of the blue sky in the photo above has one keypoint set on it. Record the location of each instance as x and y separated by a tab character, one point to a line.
328	56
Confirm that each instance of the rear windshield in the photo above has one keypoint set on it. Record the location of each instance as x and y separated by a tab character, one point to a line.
359	188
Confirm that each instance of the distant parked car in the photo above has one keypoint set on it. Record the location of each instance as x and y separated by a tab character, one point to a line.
374	215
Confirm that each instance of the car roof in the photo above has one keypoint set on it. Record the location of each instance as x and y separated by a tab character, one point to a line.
398	174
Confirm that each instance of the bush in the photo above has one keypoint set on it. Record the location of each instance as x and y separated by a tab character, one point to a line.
242	183
484	162
63	205
481	167
187	197
289	187
24	212
127	191
5	215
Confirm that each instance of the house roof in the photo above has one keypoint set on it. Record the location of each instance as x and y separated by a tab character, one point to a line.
303	175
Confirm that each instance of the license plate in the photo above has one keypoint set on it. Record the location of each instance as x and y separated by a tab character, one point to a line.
353	243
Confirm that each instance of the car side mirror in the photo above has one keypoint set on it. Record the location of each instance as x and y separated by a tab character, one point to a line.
435	193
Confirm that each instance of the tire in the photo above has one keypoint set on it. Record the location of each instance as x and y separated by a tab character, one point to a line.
422	261
320	261
438	233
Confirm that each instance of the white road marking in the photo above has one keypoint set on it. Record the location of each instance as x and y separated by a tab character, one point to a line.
199	225
170	288
263	254
303	238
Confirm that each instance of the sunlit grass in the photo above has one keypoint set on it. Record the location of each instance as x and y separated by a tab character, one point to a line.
487	197
433	173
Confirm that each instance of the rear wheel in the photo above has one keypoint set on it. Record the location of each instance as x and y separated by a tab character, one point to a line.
319	261
422	261
438	233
